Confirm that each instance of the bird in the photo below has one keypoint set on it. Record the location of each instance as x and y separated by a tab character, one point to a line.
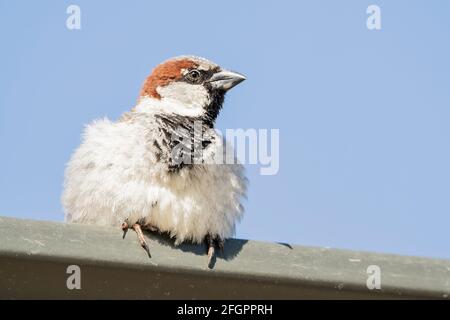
160	167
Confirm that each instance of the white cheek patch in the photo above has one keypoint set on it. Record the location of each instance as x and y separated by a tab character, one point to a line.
186	99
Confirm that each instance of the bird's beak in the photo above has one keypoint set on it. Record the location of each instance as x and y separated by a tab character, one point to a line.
225	80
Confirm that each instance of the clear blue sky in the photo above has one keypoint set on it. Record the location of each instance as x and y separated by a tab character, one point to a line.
363	115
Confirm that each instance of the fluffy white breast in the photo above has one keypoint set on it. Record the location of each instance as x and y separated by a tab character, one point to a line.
114	175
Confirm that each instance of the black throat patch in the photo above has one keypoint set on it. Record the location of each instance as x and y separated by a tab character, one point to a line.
183	139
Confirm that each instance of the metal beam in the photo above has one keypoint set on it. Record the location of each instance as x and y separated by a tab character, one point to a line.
35	255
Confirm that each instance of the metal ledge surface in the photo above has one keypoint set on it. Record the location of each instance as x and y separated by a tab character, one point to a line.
35	255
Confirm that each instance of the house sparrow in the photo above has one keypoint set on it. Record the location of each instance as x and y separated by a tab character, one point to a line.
140	172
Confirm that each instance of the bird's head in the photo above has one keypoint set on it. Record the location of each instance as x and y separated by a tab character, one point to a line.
187	86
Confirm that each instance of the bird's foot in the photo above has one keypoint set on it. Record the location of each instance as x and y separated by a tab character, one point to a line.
138	229
212	243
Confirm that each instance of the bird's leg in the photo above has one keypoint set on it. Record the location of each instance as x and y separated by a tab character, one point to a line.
211	244
211	248
138	229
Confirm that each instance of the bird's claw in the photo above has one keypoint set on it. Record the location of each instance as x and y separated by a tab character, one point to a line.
138	229
146	248
124	228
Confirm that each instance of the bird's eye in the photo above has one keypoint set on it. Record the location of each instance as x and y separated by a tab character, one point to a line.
194	76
